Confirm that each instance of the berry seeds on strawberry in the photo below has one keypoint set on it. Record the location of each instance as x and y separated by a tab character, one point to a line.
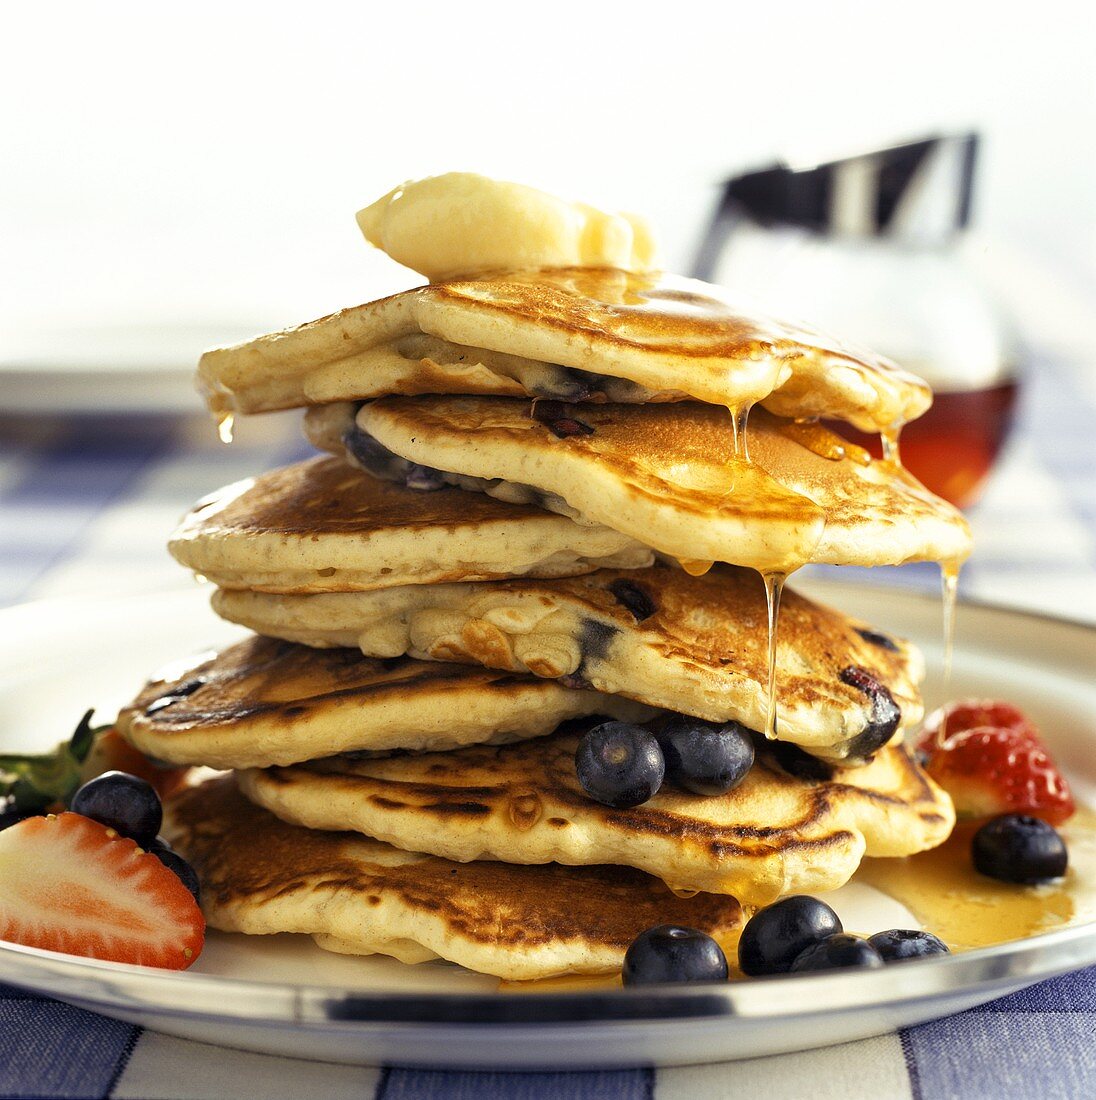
989	757
70	884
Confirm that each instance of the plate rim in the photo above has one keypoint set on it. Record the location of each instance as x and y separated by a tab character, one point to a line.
122	987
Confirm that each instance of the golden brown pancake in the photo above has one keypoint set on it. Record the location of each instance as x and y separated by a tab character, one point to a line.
574	334
353	895
664	475
264	702
774	834
697	645
323	526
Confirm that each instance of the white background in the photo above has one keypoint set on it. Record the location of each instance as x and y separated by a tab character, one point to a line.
199	165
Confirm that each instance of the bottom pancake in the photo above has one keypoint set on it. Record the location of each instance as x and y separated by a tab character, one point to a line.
261	876
522	803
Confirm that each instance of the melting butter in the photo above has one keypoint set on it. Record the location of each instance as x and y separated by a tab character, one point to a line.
462	224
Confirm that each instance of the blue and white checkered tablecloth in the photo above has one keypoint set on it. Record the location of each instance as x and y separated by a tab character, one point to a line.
85	506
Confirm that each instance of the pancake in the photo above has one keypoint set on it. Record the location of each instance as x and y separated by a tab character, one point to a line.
697	645
665	475
775	834
264	702
571	334
320	526
352	895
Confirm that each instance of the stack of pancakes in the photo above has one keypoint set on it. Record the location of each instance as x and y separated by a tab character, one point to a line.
510	541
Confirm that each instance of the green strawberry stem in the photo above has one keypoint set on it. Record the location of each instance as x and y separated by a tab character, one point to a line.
34	782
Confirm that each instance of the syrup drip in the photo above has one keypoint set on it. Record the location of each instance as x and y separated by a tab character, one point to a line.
949	578
888	440
685	892
224	427
695	568
820	441
741	452
774	587
967	910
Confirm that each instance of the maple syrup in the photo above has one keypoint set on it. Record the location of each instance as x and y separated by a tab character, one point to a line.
967	910
952	448
225	424
949	583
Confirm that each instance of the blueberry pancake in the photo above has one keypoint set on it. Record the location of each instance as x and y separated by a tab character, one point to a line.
320	526
696	645
569	334
264	701
358	896
664	475
774	834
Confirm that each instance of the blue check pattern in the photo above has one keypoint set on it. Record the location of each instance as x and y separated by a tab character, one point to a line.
84	507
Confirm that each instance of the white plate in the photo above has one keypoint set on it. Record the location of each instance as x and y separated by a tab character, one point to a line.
283	995
117	370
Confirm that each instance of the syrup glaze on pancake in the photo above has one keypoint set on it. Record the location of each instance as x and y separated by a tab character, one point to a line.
774	834
668	475
696	645
264	702
565	333
321	526
262	876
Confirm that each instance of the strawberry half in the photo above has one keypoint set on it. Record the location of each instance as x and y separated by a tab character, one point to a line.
968	714
69	884
990	769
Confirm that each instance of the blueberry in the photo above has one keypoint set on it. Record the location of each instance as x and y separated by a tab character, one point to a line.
672	954
187	875
836	953
798	762
885	714
619	765
373	456
1017	848
424	478
875	638
775	935
634	597
906	943
121	802
11	813
557	417
705	758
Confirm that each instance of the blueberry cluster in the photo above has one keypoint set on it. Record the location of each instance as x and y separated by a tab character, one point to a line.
622	765
795	935
132	808
799	934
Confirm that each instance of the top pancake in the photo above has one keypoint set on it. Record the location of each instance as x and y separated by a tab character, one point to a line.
666	475
321	526
574	334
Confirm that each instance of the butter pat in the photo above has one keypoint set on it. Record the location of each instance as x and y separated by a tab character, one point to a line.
463	225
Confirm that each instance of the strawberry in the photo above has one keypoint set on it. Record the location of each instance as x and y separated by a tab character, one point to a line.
991	769
110	751
69	884
968	714
46	781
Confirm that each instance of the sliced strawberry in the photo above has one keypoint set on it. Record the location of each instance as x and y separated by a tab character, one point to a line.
112	752
990	770
69	884
968	714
